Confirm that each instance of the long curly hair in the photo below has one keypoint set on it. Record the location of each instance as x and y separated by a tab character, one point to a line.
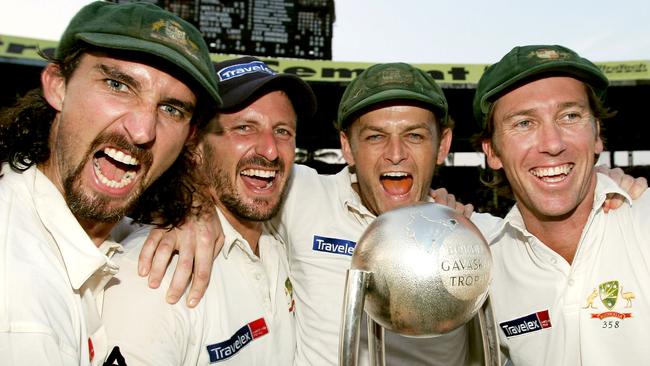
177	194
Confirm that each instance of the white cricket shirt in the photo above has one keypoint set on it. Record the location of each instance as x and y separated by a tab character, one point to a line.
245	318
594	311
51	277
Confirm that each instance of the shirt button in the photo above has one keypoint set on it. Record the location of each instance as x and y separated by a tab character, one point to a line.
258	276
571	282
553	260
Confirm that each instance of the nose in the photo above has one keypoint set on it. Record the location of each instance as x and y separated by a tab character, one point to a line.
141	126
395	152
551	138
267	146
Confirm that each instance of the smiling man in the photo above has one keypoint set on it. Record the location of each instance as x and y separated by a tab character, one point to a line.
247	314
119	100
569	281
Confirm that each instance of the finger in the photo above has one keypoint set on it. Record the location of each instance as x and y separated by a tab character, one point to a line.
161	258
439	195
608	202
614	173
617	174
639	187
460	208
148	250
615	202
203	261
626	182
451	200
468	211
182	274
221	239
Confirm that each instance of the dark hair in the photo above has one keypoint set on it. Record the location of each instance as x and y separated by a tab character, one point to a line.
24	141
180	192
496	179
25	126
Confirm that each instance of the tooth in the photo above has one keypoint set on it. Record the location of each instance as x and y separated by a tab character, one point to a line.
395	174
259	173
120	156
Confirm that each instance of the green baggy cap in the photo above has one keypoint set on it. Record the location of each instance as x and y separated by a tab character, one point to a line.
145	28
391	81
528	63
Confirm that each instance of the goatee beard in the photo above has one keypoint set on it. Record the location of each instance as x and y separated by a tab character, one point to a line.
97	207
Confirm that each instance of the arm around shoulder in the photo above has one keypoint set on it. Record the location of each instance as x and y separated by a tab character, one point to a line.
138	320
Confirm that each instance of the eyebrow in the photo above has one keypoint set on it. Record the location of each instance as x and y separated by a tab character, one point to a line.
531	111
186	106
117	74
525	112
423	125
572	104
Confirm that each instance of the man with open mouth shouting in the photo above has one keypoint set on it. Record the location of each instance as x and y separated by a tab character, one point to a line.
127	88
394	129
247	314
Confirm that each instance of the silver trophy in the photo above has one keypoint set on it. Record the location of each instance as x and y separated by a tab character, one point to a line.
420	271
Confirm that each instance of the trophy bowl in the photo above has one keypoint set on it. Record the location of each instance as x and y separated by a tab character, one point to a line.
430	269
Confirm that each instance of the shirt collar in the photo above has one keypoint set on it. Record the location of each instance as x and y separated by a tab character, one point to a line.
604	186
349	198
79	253
232	237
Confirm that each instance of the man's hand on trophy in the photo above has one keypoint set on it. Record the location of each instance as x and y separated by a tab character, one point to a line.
441	196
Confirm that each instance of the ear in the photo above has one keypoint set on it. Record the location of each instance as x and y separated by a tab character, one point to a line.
599	141
445	145
193	134
493	159
346	148
53	85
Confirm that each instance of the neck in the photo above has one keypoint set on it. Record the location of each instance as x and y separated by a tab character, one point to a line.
97	231
561	233
248	229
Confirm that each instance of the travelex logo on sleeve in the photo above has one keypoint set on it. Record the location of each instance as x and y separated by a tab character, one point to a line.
333	245
243	69
526	324
224	350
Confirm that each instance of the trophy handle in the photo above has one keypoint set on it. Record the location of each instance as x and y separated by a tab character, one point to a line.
483	338
491	350
375	343
355	286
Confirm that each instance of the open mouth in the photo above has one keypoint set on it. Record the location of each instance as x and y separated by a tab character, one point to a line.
553	174
259	178
115	168
396	183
